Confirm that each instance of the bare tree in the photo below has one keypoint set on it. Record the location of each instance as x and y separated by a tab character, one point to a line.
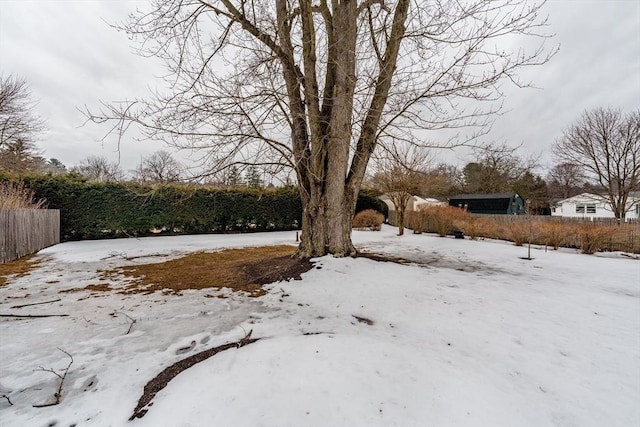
496	169
564	180
315	85
444	181
99	169
605	143
400	176
19	126
18	121
159	168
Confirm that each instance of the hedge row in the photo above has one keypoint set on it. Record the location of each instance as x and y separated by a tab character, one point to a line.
106	210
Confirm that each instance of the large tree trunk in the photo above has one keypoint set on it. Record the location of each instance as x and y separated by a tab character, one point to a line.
328	200
326	228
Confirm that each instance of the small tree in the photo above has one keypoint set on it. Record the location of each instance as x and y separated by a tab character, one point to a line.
605	143
401	176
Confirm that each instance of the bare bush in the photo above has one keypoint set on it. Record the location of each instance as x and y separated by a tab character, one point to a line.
368	219
416	221
592	237
474	226
15	195
437	219
555	234
518	232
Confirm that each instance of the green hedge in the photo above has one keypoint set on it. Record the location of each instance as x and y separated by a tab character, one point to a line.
106	210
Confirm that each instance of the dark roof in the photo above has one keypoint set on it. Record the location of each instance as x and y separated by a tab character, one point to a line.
484	196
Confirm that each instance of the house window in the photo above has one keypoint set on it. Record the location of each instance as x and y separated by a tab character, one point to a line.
586	208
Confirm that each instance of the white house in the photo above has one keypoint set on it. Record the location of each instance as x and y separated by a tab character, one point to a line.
420	202
592	206
415	203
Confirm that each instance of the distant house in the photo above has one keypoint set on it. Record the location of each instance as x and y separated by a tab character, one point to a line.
593	206
490	204
415	203
420	202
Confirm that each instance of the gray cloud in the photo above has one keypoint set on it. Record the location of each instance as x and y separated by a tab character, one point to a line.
598	65
71	57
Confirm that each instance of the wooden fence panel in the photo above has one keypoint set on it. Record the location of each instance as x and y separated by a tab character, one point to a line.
624	237
26	231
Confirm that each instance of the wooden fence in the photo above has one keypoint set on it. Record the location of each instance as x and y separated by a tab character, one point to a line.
603	234
624	237
560	219
26	231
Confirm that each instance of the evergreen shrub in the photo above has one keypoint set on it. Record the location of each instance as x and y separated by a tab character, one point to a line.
90	210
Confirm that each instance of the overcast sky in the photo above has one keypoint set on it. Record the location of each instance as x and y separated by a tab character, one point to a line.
71	57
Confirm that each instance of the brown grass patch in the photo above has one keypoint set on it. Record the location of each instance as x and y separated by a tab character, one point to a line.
18	268
244	270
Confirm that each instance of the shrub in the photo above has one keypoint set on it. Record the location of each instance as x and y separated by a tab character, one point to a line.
475	227
592	237
519	232
414	221
107	210
368	218
444	218
15	195
436	219
555	234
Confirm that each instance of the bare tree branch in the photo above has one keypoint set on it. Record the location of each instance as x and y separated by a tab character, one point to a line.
58	394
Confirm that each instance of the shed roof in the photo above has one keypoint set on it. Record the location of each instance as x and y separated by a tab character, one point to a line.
485	196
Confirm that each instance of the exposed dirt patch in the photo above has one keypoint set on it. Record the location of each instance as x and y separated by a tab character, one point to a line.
20	267
244	270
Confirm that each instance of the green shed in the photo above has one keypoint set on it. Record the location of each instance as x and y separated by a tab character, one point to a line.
490	204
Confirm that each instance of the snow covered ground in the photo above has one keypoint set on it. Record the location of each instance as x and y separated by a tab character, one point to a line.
469	334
